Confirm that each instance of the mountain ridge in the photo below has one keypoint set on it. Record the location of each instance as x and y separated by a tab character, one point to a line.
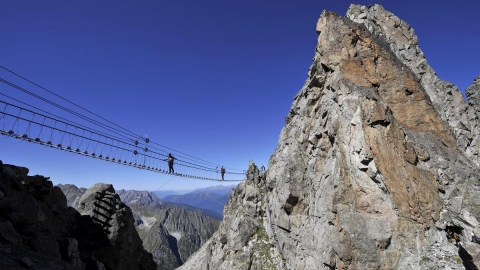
201	199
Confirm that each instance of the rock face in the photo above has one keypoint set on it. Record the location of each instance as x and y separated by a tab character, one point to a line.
245	239
446	98
171	233
35	223
377	160
104	207
473	95
39	231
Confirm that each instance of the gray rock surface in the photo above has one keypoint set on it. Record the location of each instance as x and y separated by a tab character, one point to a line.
105	208
170	232
376	161
245	239
473	95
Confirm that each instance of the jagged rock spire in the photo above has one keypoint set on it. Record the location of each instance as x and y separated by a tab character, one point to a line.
377	159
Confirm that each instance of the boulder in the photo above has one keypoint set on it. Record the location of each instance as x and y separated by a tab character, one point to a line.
111	216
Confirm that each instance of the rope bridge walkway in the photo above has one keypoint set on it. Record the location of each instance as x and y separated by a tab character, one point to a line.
107	142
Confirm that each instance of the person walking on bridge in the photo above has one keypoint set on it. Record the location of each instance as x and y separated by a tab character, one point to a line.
222	172
170	160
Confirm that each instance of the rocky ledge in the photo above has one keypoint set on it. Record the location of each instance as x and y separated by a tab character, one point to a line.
39	231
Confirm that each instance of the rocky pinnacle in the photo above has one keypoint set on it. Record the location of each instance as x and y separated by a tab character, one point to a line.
378	158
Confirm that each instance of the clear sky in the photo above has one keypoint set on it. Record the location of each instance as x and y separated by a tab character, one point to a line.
214	79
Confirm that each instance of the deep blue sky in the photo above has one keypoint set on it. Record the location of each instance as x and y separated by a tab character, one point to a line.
213	79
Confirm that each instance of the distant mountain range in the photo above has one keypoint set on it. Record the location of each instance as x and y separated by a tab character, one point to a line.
163	193
210	198
144	198
220	189
203	200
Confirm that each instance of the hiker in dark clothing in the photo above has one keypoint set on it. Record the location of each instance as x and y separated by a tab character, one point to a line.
222	172
170	160
449	234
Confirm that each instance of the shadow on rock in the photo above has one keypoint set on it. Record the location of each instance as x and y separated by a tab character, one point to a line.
467	259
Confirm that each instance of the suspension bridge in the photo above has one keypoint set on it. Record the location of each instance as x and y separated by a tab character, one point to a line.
94	136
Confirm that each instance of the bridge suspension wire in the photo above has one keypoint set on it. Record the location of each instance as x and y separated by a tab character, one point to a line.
62	134
126	133
95	132
62	107
59	117
27	125
73	103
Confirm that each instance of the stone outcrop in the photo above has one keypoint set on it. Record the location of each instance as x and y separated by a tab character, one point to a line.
103	206
36	227
473	95
377	160
39	231
170	232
